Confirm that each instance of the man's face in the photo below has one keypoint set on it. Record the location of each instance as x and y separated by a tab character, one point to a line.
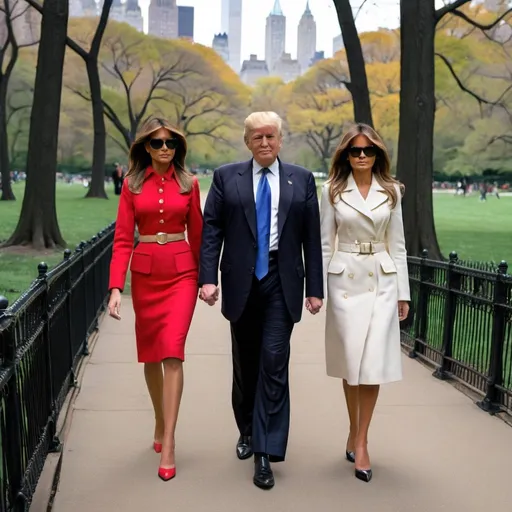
264	144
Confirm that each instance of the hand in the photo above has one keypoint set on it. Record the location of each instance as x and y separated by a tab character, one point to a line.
313	304
403	310
209	293
114	304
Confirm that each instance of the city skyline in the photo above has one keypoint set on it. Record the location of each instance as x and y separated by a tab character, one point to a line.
254	14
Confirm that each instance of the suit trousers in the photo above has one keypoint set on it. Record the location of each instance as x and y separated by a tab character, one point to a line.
261	353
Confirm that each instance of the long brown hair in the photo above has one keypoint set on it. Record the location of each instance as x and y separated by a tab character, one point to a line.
340	166
139	158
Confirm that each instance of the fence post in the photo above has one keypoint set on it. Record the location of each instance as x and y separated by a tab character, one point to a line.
453	279
42	270
86	302
420	320
491	402
67	255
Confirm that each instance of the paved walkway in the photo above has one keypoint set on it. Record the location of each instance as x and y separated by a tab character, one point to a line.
432	448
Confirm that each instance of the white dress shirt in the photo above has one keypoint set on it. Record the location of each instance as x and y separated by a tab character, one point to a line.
273	180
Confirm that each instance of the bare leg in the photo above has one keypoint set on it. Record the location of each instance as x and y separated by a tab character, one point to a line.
352	399
173	388
367	400
155	382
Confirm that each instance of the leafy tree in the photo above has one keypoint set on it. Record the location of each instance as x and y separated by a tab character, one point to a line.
38	226
418	22
10	12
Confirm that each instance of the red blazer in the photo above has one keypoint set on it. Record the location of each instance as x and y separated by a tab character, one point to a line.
160	207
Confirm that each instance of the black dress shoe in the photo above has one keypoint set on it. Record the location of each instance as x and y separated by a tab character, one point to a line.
244	447
263	476
350	456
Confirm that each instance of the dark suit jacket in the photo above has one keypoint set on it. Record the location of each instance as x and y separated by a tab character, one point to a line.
230	219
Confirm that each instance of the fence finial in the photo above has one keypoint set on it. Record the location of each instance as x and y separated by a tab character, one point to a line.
424	253
453	257
503	267
42	268
67	254
4	303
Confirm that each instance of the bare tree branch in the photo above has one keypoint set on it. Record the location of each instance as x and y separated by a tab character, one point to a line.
482	27
449	8
477	97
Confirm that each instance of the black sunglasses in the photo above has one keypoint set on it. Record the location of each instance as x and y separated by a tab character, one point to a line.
159	143
369	151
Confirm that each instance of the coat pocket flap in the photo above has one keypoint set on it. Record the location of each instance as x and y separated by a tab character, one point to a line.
141	263
388	266
336	266
184	262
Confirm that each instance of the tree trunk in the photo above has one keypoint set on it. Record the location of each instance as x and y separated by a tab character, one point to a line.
5	164
38	225
97	186
358	86
417	112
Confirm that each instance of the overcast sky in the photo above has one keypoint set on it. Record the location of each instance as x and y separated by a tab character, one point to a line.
375	14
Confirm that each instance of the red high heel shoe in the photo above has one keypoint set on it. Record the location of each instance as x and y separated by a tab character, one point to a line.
166	474
157	447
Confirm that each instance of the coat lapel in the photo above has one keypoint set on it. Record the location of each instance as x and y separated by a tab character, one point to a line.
245	187
353	198
285	195
376	196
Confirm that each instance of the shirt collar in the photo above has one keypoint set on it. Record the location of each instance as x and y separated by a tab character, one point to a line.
274	168
168	174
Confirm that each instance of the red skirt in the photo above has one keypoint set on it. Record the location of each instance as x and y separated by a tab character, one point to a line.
164	295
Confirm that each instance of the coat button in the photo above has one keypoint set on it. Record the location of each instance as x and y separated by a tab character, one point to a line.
351	276
161	221
346	296
160	190
255	245
161	201
161	211
251	271
371	274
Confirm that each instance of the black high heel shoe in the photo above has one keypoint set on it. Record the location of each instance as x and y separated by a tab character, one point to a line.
364	474
350	456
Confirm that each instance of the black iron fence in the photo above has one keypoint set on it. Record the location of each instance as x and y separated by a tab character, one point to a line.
461	323
43	336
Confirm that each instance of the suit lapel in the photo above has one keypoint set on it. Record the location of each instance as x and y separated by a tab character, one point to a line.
245	187
285	195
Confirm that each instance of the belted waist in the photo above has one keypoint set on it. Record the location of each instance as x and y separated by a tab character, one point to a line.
162	238
363	247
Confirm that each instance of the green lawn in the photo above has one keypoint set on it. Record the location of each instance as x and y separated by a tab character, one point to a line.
79	219
477	231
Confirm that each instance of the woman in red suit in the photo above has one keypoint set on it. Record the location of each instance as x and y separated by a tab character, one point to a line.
162	199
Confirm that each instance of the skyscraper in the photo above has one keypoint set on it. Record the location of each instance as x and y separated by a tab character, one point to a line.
133	15
163	19
275	36
186	22
306	39
231	23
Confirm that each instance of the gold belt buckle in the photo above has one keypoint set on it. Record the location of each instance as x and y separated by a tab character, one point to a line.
365	247
161	238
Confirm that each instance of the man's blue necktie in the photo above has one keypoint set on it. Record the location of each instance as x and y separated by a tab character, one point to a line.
263	210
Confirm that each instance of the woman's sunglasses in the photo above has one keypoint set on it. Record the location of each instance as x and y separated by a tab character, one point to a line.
159	143
369	151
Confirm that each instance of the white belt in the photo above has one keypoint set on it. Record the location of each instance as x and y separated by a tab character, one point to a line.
362	247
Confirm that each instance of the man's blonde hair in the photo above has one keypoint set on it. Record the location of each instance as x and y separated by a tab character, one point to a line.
259	119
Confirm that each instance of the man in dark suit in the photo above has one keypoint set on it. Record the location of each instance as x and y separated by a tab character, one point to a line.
265	213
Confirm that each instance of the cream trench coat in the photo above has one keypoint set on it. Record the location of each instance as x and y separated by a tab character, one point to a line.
362	332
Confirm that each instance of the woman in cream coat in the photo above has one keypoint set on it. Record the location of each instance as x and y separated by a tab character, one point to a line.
367	283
